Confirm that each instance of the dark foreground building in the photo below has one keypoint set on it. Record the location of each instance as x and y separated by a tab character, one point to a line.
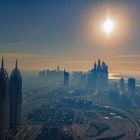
10	102
15	99
4	103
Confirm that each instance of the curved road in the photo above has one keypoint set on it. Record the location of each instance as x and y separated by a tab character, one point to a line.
128	115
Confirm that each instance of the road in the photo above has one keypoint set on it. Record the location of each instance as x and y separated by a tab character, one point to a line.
34	131
128	115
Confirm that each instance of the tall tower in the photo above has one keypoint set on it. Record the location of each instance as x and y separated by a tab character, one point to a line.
131	85
4	103
95	67
104	78
99	66
15	99
122	85
94	76
66	79
98	76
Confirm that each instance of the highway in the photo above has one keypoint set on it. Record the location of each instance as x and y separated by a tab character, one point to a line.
128	115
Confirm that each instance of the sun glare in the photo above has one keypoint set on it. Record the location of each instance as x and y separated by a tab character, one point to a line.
108	26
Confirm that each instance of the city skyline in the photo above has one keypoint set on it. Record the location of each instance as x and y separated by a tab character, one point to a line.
49	33
69	69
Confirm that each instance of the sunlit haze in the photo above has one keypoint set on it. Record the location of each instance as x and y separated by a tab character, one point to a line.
70	69
72	34
108	26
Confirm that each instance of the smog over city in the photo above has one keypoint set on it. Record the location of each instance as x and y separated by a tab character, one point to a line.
69	70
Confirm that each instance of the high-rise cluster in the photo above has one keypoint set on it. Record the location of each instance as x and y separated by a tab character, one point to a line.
98	76
10	102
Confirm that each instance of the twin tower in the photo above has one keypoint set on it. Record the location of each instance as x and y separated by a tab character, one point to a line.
10	102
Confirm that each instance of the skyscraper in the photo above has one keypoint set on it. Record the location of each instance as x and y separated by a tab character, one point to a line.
15	99
4	103
66	79
122	85
131	85
104	76
92	77
98	76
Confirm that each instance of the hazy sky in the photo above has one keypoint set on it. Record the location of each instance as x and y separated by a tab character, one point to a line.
47	33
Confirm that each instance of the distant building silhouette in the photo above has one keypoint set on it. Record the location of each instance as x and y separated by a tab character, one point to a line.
42	74
53	74
98	76
57	68
131	85
122	85
66	79
15	99
4	103
115	86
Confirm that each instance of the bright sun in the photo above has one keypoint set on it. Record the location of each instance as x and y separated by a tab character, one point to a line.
108	26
